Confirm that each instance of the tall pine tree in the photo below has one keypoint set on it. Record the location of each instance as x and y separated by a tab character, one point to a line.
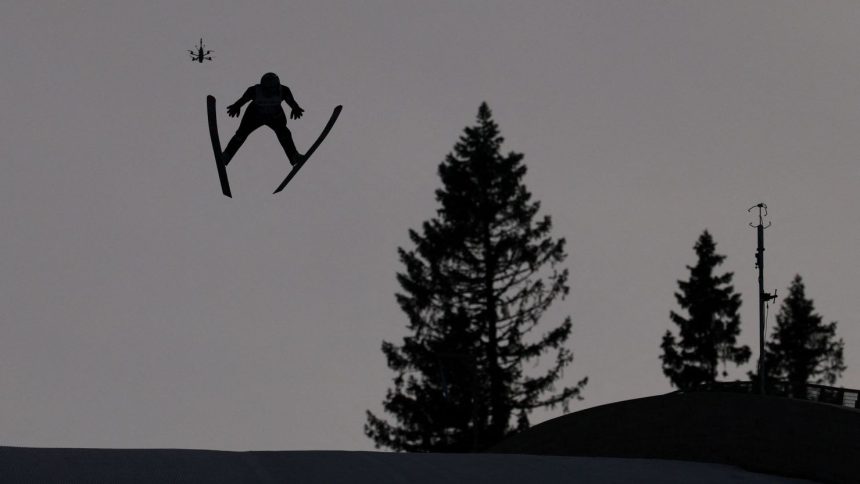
803	349
480	277
708	336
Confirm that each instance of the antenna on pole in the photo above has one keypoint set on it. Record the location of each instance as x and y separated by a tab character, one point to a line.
763	297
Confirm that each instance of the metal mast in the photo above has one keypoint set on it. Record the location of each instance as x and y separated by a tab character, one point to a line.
763	297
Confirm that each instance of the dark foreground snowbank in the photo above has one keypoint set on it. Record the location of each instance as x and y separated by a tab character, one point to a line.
133	466
774	435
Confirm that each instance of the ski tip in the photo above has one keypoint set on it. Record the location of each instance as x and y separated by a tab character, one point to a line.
210	98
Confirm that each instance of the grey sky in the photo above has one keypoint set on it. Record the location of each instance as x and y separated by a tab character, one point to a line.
141	308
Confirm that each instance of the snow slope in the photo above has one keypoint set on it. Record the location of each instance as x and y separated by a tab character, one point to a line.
775	435
134	466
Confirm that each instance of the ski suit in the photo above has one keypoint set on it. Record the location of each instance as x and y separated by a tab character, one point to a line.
265	109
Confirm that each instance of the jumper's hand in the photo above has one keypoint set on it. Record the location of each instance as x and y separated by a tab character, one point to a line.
233	110
296	113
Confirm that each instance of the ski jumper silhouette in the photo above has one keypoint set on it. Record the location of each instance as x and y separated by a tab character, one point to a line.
265	109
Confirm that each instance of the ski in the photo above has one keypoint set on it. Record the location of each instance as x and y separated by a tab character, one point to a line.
216	146
310	151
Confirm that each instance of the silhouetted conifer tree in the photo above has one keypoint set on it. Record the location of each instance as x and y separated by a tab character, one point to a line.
709	335
477	282
802	349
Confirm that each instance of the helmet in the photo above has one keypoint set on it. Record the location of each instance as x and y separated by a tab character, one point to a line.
268	91
270	79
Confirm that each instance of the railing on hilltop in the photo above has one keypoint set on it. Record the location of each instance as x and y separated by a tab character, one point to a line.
845	397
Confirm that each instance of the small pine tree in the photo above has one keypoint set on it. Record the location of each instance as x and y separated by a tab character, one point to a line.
803	349
478	281
708	336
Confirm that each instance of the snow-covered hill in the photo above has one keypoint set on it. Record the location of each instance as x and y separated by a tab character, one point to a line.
705	437
132	466
769	434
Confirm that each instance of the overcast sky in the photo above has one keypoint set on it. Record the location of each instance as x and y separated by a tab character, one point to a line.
141	308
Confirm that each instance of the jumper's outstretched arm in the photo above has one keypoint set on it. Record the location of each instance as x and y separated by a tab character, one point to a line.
233	109
287	96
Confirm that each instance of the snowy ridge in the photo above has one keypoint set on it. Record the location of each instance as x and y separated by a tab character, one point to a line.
134	466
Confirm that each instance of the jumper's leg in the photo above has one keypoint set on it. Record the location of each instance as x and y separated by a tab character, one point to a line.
233	146
285	137
249	123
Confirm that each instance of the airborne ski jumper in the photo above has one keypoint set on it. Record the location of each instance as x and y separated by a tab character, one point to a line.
264	109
